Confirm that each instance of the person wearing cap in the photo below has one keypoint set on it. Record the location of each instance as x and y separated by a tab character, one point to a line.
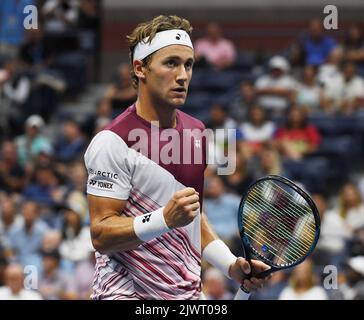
145	217
276	89
32	142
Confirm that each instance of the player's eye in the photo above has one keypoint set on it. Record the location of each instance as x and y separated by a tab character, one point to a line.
189	65
171	63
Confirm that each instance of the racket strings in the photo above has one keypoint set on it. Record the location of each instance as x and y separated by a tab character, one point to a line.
288	212
281	228
296	195
289	222
283	221
262	240
267	239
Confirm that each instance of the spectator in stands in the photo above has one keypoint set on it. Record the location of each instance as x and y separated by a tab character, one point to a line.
88	24
354	45
297	138
332	246
214	285
215	50
12	175
221	208
76	240
14	285
46	187
239	107
60	15
25	239
88	16
269	162
257	130
51	240
11	26
353	287
317	45
3	264
55	284
121	94
353	89
303	284
16	91
71	142
274	288
297	59
77	177
32	142
239	181
95	121
8	218
83	277
351	207
34	51
218	119
331	79
276	89
310	95
357	243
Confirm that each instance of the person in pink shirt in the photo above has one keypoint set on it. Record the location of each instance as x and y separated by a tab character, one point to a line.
216	50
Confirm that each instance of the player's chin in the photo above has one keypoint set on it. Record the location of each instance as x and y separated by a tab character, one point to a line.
177	102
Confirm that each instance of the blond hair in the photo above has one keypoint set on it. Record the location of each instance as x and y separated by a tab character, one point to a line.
149	29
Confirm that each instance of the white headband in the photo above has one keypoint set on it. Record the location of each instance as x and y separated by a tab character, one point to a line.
162	39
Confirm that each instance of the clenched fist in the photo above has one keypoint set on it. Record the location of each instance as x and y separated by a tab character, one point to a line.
182	208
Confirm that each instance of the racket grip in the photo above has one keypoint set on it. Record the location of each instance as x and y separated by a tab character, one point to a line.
242	295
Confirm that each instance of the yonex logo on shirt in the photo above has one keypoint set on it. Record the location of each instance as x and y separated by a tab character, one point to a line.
101	184
146	218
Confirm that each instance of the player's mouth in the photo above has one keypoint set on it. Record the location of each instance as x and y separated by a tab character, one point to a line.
180	91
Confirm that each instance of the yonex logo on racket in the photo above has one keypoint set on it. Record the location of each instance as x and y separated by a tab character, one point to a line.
146	218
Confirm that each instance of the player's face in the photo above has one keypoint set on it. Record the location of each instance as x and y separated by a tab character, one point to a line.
168	75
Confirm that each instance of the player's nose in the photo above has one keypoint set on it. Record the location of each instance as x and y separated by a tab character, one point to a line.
182	74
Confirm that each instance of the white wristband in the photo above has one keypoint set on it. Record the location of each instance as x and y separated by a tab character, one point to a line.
219	255
150	225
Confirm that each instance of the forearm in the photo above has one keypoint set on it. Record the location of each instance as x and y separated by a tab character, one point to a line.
214	250
114	233
207	233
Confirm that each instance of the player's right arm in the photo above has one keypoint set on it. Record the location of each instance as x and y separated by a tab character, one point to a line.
110	165
111	232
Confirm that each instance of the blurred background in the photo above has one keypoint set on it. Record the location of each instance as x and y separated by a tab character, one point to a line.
293	91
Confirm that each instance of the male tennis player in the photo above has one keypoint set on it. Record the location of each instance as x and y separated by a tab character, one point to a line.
146	223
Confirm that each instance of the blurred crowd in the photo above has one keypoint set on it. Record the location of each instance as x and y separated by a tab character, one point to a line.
298	113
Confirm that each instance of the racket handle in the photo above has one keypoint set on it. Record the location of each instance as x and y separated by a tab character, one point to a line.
242	295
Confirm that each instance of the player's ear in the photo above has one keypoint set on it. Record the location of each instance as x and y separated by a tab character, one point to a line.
139	70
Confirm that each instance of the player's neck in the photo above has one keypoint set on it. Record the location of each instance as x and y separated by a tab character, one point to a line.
150	111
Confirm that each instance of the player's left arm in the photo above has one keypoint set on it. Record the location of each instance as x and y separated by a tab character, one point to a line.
218	254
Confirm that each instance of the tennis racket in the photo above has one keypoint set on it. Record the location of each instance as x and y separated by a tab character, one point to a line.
279	224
